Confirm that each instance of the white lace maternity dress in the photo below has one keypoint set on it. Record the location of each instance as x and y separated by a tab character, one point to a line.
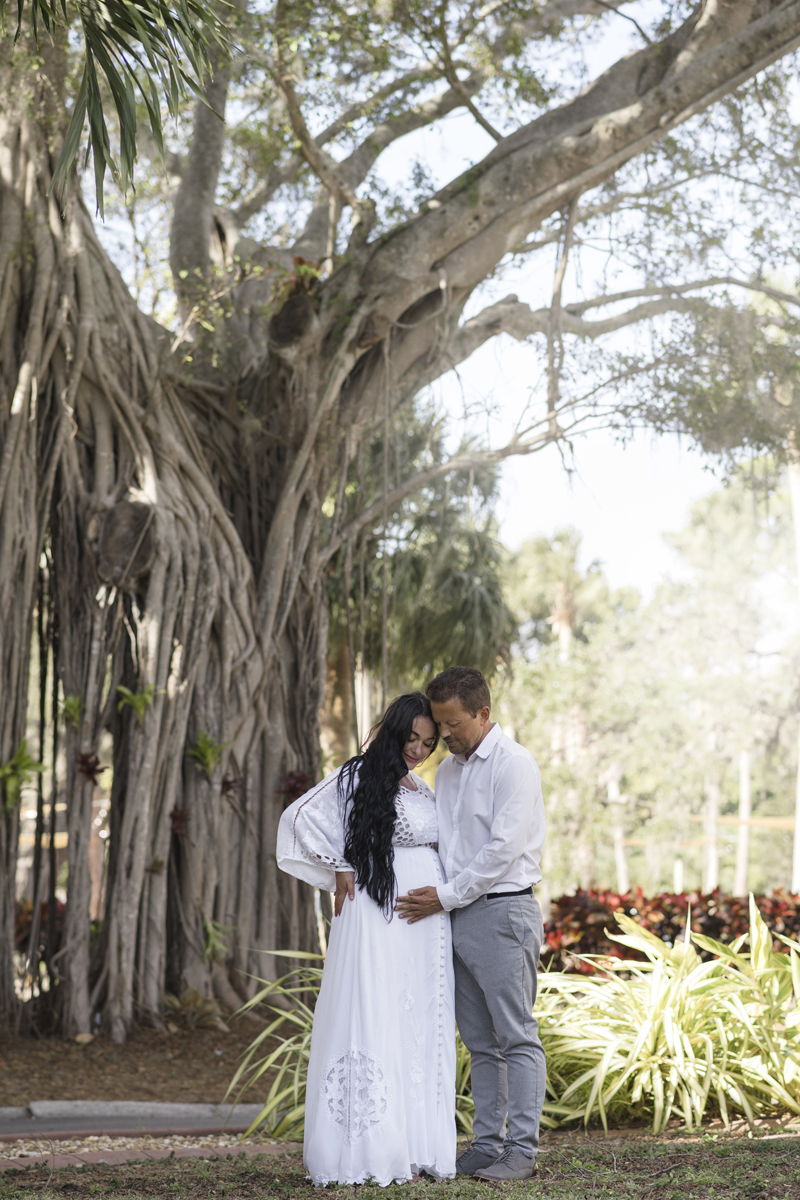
380	1102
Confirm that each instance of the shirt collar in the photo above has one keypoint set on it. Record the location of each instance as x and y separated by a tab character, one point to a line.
487	745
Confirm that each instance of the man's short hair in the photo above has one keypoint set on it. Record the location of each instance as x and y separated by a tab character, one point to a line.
460	683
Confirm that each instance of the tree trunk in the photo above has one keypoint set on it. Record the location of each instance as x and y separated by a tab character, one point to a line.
337	712
33	422
616	800
711	826
678	881
743	834
155	592
793	471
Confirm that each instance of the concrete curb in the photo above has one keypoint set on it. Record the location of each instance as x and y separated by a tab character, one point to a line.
54	1109
64	1135
126	1118
114	1158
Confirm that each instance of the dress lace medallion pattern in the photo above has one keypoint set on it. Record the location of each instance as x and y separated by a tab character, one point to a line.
356	1092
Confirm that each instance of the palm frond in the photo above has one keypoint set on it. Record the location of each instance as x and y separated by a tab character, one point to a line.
152	49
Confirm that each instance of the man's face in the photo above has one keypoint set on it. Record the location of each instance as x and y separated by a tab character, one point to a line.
459	731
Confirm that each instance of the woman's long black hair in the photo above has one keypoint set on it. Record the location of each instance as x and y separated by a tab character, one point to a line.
368	786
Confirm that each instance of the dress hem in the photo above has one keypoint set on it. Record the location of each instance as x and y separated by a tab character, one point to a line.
324	1181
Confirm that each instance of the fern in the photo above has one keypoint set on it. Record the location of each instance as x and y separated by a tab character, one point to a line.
72	710
206	753
138	701
215	945
15	774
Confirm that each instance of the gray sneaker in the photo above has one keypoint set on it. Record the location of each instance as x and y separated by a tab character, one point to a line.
472	1160
512	1164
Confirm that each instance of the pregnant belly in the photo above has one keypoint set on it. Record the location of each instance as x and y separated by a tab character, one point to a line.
416	866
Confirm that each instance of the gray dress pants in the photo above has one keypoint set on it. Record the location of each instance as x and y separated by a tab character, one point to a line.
496	943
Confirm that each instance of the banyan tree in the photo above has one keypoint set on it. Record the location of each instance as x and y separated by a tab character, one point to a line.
172	501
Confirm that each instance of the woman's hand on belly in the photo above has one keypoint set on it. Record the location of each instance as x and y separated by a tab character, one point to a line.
345	886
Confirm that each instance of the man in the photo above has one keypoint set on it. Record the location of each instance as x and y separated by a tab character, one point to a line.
491	834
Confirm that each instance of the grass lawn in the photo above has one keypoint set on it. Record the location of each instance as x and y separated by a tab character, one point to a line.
641	1168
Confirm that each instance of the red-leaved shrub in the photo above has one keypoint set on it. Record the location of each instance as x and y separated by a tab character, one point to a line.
578	923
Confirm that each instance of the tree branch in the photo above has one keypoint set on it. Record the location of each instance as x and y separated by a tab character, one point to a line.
612	205
519	321
288	172
530	441
356	167
193	209
321	163
452	77
555	344
371	515
681	289
488	211
323	166
281	529
626	17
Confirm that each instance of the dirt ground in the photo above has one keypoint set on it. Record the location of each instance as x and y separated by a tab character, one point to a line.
193	1067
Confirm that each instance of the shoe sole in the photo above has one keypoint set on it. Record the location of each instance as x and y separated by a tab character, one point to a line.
469	1174
529	1174
508	1178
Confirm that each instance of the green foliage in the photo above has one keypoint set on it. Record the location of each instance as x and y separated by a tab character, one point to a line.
72	710
207	753
152	48
547	588
138	701
465	1105
284	1106
449	604
675	1036
373	62
660	697
303	280
215	943
725	379
191	1010
15	774
669	1037
288	1043
439	562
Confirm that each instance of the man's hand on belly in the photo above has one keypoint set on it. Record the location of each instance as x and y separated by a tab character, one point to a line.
418	904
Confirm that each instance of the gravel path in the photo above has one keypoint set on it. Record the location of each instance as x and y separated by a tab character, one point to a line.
29	1152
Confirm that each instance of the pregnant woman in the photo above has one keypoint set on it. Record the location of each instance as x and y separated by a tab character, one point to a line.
380	1100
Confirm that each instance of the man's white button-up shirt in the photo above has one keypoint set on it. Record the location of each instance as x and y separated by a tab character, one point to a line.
491	821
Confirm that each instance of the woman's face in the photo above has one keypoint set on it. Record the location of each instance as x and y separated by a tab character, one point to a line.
421	742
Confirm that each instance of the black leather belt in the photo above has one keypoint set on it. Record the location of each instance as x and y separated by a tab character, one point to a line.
528	891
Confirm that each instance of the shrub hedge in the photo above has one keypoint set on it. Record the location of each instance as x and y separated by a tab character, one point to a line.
579	924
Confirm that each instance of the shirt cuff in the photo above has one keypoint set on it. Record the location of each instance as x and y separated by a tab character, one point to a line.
447	896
